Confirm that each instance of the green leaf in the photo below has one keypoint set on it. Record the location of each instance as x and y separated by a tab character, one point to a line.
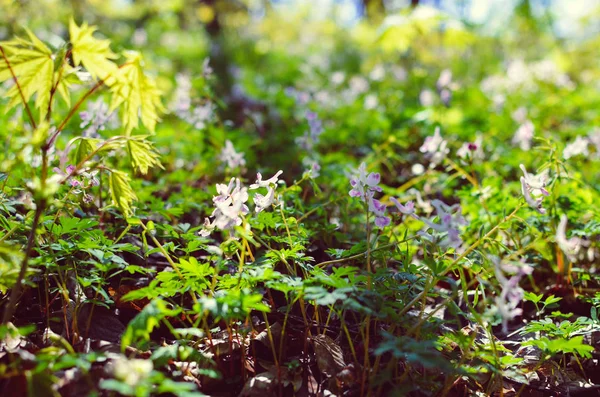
142	153
137	93
95	54
121	192
86	146
141	326
10	259
32	64
532	297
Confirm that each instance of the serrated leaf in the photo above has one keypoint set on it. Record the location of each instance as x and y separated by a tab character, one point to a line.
137	93
94	54
121	192
32	64
86	146
142	154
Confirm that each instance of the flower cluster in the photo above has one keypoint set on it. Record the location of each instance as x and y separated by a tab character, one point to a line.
232	158
533	188
86	180
230	206
230	203
364	187
511	295
450	219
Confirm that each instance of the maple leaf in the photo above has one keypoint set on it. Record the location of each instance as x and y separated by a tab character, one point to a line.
95	54
32	64
138	94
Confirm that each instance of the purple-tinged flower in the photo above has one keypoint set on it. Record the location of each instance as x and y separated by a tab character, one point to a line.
96	118
533	188
378	209
313	168
311	137
472	150
450	219
364	187
229	207
407	209
68	173
511	295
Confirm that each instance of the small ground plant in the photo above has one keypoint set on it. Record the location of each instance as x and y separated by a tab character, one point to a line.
343	216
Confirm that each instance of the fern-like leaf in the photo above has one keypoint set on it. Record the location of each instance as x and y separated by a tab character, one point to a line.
121	192
32	64
137	93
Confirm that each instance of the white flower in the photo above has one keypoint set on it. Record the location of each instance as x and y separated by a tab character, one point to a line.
371	102
232	158
426	97
263	202
444	80
577	147
520	115
573	247
450	219
358	85
266	201
229	207
594	137
131	371
378	73
511	295
435	148
524	135
533	188
337	78
536	183
266	183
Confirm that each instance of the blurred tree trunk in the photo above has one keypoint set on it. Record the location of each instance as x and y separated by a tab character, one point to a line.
374	9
